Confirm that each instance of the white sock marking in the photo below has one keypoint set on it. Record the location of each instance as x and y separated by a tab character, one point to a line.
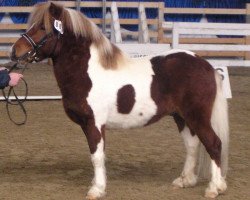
99	181
188	177
191	144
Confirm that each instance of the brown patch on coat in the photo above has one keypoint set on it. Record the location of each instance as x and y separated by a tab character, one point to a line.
185	85
125	99
70	69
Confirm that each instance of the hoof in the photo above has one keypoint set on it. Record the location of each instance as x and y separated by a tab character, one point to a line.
211	194
214	189
95	193
178	183
223	187
186	181
90	197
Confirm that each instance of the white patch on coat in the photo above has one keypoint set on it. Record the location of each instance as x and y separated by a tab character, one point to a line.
99	181
105	85
188	177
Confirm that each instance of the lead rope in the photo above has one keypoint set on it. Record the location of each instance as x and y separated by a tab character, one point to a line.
17	101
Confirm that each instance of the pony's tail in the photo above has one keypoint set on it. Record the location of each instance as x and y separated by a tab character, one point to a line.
220	125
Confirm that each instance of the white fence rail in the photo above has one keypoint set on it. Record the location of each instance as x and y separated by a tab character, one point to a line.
141	50
214	29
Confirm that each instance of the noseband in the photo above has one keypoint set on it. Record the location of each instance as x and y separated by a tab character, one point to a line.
32	54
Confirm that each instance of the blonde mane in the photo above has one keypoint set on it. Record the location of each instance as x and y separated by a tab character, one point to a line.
80	26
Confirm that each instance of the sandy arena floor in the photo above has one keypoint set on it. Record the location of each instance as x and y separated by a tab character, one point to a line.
48	158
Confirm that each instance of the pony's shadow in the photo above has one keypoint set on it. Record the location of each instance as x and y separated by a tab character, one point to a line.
76	173
81	173
146	171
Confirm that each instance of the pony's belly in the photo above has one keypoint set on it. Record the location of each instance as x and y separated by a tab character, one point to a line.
138	117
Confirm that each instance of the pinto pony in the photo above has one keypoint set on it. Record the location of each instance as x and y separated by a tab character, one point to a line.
102	87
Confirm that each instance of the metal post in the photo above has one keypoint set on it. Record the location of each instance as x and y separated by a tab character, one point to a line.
143	26
104	16
78	5
116	36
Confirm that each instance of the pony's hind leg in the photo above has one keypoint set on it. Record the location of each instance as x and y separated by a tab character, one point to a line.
212	144
188	177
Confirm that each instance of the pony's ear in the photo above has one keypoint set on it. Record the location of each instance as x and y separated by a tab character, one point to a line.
55	10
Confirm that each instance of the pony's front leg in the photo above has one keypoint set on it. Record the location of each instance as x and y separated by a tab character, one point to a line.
96	140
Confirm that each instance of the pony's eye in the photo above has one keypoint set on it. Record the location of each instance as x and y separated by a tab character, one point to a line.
42	27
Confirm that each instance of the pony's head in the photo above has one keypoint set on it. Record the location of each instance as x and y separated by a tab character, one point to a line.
49	24
41	38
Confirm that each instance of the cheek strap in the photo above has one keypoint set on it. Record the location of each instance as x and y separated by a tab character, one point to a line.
32	54
30	40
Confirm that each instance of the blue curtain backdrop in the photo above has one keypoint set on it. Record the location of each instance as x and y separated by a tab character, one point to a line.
19	18
151	13
183	4
206	4
1	14
92	12
226	4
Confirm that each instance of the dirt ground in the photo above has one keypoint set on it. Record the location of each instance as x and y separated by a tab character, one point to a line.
48	158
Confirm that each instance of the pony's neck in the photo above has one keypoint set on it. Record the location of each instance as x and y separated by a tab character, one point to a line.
71	64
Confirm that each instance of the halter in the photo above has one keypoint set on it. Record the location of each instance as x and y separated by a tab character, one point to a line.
32	54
